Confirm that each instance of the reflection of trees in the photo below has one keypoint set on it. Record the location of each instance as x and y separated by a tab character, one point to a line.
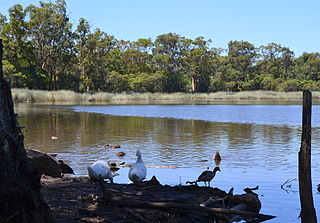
239	135
168	139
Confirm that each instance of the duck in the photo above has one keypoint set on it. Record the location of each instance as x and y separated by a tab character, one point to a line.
217	158
120	154
65	168
138	171
113	166
207	176
112	146
100	170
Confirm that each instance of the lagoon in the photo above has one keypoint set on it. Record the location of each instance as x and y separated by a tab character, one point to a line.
258	144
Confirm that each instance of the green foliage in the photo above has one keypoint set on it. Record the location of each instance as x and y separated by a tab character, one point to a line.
44	51
289	85
145	82
115	82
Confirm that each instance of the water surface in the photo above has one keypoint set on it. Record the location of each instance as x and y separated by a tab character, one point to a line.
258	144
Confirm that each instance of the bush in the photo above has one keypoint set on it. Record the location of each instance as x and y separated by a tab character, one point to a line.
144	82
289	85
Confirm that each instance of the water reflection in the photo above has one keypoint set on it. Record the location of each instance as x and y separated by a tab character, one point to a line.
164	141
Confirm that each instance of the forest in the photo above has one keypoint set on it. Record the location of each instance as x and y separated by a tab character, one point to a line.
44	50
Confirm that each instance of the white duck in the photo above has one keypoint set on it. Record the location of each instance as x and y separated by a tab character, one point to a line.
138	170
100	170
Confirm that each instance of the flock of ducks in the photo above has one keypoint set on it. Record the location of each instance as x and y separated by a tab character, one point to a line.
100	170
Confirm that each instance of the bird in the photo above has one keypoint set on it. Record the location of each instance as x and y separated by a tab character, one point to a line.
120	154
65	168
318	188
207	176
113	166
138	170
112	146
217	158
100	170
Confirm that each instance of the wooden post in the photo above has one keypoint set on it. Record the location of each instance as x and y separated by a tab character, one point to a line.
308	213
1	55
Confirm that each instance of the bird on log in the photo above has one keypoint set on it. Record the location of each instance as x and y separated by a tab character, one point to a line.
207	176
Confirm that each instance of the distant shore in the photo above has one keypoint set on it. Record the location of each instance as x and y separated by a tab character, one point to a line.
64	96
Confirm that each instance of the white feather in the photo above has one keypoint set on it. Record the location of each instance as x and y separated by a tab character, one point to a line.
100	170
138	170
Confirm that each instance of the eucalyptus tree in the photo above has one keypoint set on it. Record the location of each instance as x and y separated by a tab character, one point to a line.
200	64
307	66
242	56
167	54
52	37
102	57
82	54
276	60
19	63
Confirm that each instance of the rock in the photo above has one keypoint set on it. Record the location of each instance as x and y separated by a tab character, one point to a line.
42	163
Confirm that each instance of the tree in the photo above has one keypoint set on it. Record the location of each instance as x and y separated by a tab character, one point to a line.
199	64
307	66
83	56
21	200
167	54
242	56
19	52
276	61
51	36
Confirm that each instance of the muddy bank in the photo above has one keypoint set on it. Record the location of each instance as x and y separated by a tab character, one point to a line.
81	200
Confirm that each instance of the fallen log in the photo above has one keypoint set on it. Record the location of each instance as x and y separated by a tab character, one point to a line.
123	201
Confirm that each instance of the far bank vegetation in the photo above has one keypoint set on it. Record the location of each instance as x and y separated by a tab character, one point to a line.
44	51
66	96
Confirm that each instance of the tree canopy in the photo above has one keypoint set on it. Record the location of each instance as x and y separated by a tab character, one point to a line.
43	50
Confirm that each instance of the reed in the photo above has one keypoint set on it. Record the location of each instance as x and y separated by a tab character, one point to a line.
65	96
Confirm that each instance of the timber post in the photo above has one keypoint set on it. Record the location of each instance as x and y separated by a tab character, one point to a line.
1	57
308	213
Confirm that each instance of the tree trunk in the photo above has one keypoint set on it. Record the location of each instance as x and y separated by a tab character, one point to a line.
193	84
20	196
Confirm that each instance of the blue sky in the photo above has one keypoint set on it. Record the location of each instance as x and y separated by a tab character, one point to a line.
291	23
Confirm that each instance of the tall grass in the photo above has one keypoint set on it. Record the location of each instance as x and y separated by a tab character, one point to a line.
64	96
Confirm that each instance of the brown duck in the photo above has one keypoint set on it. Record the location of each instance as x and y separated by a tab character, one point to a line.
112	146
207	176
217	158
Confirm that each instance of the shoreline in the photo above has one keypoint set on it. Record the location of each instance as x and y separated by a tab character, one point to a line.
65	96
78	199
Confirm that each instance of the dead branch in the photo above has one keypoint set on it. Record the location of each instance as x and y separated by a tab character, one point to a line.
178	207
286	185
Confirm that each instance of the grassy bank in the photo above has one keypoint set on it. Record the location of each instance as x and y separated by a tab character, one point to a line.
63	96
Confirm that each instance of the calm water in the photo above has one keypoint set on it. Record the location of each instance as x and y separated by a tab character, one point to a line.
258	143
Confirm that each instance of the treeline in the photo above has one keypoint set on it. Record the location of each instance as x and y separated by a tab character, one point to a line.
43	50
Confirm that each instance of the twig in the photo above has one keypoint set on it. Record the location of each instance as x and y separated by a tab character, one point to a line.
288	186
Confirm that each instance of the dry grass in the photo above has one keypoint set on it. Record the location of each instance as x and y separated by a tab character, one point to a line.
63	96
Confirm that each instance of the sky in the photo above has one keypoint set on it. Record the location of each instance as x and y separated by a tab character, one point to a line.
291	23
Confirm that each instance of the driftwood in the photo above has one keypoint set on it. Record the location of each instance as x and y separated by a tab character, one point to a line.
124	201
